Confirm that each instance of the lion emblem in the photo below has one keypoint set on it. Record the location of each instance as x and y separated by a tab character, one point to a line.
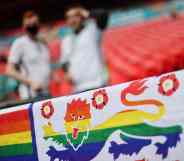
77	122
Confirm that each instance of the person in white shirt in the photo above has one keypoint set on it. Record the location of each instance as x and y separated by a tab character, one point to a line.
81	58
29	60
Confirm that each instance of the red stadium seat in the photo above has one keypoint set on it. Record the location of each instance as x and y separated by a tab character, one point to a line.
145	49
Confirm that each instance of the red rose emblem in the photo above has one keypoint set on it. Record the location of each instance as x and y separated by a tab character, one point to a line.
47	110
100	99
168	85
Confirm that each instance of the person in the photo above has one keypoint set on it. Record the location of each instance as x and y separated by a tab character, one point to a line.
28	61
81	58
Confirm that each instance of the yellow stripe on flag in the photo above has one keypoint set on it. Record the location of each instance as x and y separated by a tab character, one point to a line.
127	119
120	119
81	124
16	138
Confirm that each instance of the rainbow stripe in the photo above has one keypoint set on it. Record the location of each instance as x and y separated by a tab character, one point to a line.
15	136
99	135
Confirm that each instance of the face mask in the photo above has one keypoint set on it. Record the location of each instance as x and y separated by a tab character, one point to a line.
33	29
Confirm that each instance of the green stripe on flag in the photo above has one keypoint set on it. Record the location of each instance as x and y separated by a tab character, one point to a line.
17	149
136	130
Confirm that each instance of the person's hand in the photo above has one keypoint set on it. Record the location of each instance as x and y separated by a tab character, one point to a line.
68	78
79	10
35	86
85	13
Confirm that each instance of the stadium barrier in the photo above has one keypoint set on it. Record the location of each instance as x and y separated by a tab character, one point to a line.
139	120
141	14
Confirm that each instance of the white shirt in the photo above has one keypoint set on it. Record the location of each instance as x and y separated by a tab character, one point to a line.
83	52
33	59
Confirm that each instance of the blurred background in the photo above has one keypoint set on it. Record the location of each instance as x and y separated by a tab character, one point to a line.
143	38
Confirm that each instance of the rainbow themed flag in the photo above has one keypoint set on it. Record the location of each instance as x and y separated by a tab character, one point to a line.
15	135
142	120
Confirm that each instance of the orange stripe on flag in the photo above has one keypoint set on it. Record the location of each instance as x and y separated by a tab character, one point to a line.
14	127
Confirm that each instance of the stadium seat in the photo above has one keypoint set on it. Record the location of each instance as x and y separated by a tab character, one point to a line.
145	49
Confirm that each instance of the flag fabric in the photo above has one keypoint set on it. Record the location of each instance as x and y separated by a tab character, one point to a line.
141	120
15	135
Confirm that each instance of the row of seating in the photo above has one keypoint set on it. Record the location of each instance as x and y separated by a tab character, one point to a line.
146	49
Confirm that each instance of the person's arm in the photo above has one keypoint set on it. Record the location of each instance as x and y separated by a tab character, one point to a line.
11	69
66	50
101	17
